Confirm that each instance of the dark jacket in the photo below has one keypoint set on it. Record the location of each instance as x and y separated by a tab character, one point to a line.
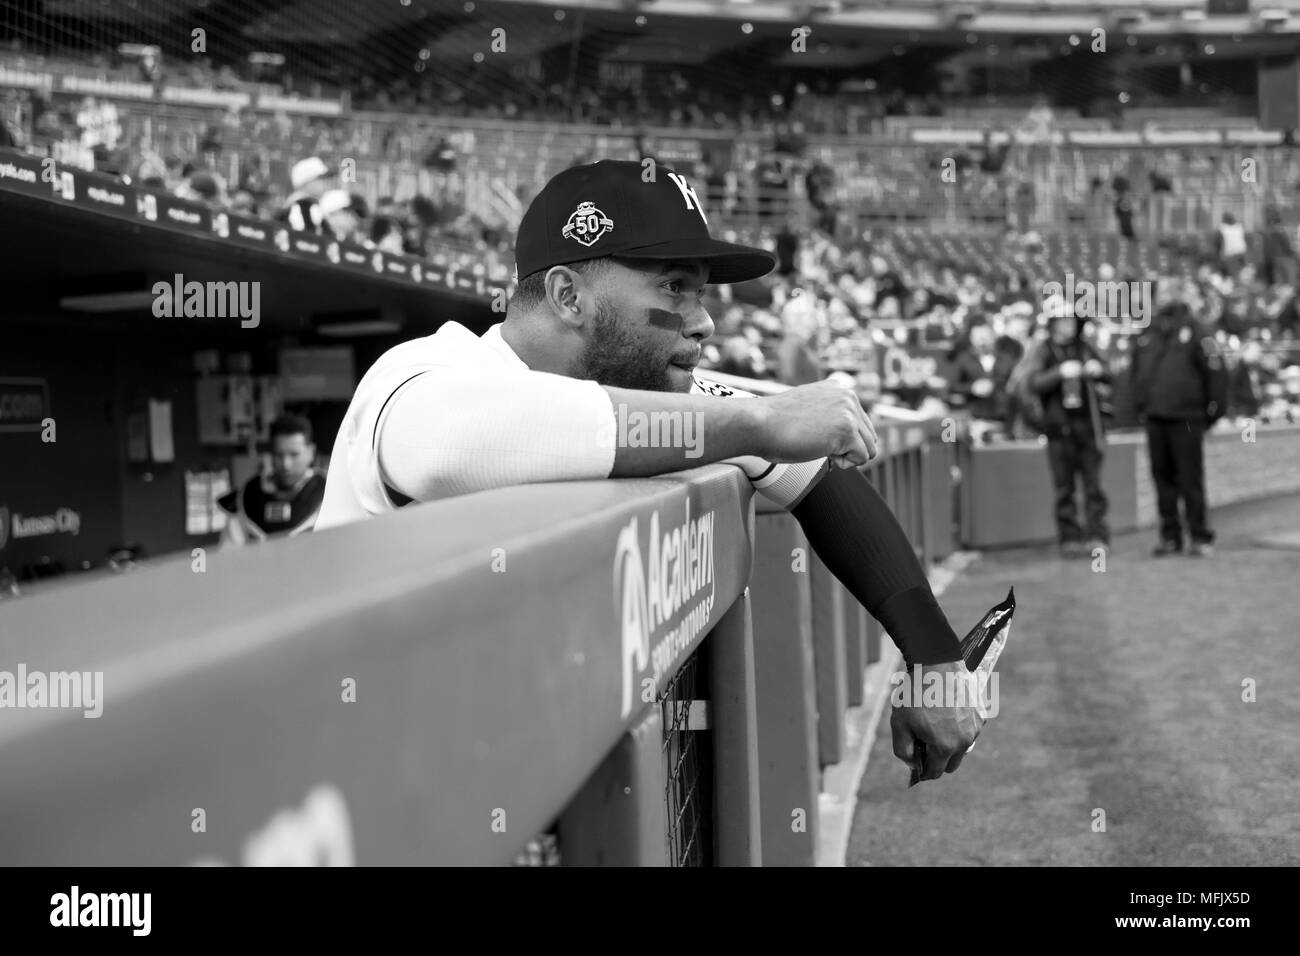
967	370
1045	378
1276	244
1245	397
1178	374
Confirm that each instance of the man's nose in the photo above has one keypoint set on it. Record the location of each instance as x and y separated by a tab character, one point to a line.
698	324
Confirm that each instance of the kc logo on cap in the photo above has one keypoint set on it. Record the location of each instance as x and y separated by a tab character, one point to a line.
587	224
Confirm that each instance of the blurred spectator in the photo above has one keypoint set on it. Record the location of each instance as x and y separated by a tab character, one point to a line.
740	356
1246	383
341	219
1065	373
1279	255
993	156
787	249
797	362
819	183
1230	243
1124	207
1181	390
979	376
151	169
386	234
441	157
243	203
203	186
311	179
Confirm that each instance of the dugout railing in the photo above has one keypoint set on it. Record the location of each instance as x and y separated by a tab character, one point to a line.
648	672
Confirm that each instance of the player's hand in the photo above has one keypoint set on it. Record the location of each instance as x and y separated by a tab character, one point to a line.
1092	368
822	420
981	387
947	732
1071	369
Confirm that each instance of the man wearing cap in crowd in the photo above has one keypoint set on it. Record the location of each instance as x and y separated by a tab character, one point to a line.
604	329
342	217
301	210
203	186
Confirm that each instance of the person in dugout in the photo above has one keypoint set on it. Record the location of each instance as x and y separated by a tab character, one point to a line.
1181	389
284	501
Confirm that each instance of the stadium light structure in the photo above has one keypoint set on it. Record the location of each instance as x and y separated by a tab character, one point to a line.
817	9
108	302
1130	19
359	328
136	50
960	16
356	323
1272	18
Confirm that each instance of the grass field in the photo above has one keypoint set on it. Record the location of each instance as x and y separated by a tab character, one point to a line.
1120	691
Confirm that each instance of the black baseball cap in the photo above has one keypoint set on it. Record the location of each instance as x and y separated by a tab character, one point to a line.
606	209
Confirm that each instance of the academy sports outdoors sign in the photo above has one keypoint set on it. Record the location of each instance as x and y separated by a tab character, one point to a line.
665	582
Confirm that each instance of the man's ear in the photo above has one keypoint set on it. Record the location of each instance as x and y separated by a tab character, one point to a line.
568	296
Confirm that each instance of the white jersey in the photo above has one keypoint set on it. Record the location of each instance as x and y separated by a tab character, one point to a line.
454	413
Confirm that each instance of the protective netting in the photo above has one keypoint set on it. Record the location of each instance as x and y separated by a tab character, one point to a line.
690	773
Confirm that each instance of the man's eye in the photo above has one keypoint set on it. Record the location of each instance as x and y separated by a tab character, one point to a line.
678	287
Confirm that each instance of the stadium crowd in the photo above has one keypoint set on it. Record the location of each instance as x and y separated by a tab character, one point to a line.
913	321
931	336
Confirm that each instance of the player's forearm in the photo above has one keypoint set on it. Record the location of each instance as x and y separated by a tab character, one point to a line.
854	532
447	434
658	432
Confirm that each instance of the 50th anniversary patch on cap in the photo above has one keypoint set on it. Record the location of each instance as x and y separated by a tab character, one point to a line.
587	224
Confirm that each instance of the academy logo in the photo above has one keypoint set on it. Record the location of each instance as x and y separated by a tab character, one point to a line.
587	224
664	600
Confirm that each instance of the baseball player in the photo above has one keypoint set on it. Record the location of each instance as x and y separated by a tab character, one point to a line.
607	323
284	502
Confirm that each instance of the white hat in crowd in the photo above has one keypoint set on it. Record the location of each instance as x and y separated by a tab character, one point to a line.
308	170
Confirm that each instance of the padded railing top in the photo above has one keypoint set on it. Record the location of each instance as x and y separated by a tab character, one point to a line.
497	645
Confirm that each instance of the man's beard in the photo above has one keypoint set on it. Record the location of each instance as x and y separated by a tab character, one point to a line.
615	357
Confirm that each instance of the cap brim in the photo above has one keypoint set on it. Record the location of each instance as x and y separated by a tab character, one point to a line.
728	261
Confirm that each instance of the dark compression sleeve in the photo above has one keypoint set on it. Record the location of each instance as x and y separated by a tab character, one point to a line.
853	531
